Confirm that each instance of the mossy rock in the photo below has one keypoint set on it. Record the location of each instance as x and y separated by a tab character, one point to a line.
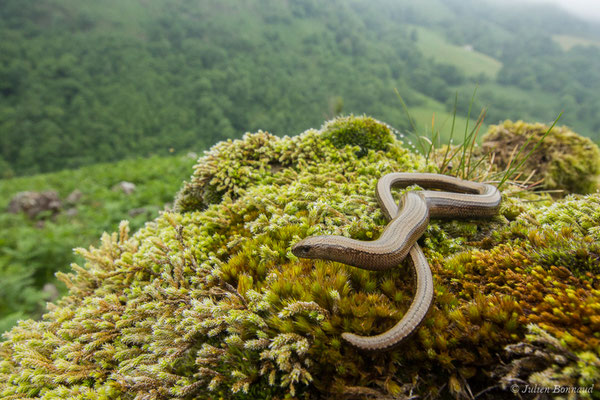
230	166
564	161
210	303
364	132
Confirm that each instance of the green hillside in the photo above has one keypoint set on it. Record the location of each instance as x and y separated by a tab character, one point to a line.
33	250
568	41
434	118
92	81
469	61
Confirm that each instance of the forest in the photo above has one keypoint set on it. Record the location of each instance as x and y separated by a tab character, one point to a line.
83	82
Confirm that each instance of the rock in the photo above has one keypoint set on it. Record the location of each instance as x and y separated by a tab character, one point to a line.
50	292
74	197
71	212
35	203
126	187
137	211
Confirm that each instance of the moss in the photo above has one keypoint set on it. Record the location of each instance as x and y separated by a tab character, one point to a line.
227	168
364	132
231	166
549	363
564	161
209	302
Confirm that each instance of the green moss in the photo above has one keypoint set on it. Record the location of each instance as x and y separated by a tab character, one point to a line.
231	166
364	132
209	302
564	161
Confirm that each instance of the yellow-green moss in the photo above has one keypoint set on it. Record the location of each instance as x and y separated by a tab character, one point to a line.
364	132
210	303
260	158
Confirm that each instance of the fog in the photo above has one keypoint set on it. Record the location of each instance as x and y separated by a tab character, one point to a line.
589	9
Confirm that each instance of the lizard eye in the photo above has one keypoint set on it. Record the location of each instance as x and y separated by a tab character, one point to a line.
300	250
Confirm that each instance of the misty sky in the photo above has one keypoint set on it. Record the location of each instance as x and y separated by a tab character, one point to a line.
584	8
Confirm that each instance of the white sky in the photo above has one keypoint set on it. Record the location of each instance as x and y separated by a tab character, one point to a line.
589	9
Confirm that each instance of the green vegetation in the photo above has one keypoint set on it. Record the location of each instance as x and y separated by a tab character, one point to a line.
468	61
32	251
209	302
92	81
205	300
434	117
522	40
567	42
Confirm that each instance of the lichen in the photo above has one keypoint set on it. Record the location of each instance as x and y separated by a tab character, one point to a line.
564	161
209	302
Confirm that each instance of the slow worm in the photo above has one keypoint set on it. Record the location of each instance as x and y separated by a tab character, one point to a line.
459	199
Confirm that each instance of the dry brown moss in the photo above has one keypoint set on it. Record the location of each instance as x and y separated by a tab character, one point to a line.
564	161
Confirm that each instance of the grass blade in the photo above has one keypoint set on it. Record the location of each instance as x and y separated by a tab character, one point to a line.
446	161
412	123
466	137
